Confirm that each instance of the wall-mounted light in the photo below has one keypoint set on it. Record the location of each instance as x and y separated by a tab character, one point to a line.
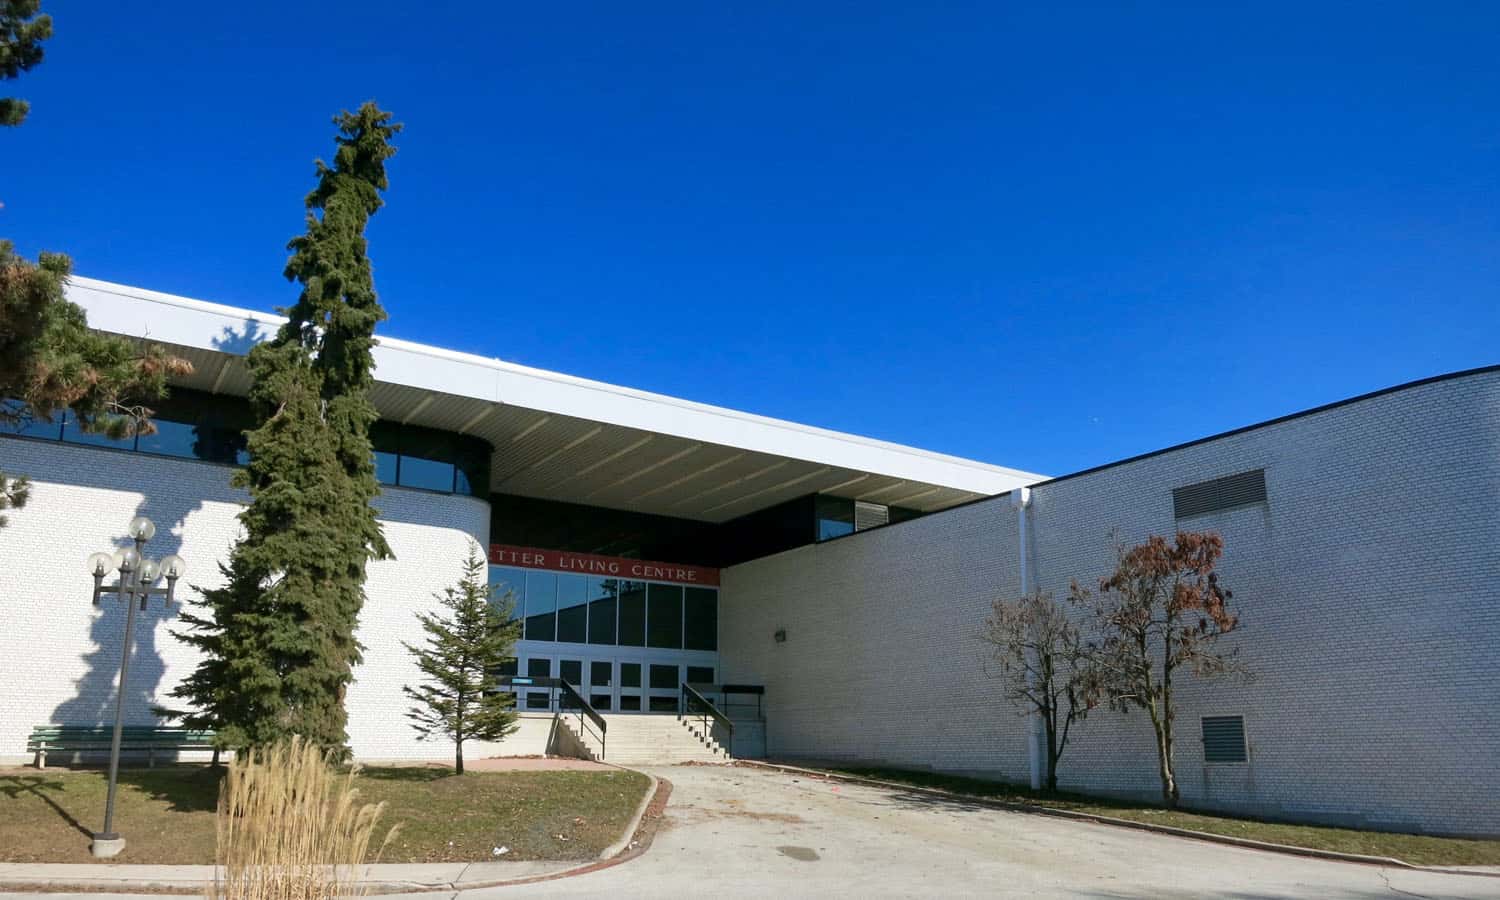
781	635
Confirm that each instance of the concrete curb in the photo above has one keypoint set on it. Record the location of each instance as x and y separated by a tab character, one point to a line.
623	843
192	880
1126	823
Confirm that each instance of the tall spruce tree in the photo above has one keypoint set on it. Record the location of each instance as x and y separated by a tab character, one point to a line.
278	641
466	646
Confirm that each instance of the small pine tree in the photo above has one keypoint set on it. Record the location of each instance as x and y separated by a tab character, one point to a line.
459	698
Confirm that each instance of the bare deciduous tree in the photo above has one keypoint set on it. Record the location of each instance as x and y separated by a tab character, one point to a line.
1162	609
1039	655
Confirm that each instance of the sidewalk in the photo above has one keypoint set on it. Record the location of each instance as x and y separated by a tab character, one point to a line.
378	878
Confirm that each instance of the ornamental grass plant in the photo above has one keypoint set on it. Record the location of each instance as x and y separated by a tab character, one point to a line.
290	826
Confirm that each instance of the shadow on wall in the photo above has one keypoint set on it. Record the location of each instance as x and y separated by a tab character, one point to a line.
240	342
93	702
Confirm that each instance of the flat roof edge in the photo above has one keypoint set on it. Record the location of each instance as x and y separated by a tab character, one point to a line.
961	473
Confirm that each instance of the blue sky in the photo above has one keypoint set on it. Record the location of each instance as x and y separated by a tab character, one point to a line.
1046	238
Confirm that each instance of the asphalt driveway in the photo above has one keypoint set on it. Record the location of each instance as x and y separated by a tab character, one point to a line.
747	832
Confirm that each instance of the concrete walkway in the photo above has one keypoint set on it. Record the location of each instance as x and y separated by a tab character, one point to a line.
747	832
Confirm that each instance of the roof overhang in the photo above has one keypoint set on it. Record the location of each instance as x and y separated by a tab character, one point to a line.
563	438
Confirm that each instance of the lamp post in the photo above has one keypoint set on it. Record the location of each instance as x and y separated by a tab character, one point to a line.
137	575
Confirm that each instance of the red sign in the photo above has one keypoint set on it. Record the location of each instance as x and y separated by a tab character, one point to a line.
605	566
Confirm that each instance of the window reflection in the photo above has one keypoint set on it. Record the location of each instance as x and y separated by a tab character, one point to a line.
541	606
633	614
664	616
701	619
509	583
835	517
197	425
572	608
602	598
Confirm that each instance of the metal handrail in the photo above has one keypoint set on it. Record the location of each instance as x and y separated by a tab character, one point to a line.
569	694
724	690
584	709
691	696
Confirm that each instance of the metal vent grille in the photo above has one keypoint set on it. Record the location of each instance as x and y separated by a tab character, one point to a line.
870	515
1224	739
1221	493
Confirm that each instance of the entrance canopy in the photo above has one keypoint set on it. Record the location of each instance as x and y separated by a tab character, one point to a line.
558	437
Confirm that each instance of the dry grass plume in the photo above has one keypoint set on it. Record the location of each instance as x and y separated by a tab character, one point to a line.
290	827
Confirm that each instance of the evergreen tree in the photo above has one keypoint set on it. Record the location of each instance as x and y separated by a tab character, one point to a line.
459	698
21	34
278	642
51	361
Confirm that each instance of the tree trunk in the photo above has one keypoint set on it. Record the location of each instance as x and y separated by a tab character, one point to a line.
458	757
1161	724
1052	753
1164	765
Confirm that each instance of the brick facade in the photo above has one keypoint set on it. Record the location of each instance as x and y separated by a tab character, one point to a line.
1368	586
62	655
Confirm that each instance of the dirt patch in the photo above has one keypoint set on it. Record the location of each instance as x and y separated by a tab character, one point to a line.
754	816
801	854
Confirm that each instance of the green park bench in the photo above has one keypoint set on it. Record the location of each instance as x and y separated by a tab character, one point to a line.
75	738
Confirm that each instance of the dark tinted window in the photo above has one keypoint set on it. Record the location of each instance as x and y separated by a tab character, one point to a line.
664	704
541	606
602	593
74	434
472	457
426	459
572	608
539	668
632	614
700	675
511	583
701	619
171	439
664	678
835	517
32	426
664	616
601	674
630	675
571	671
630	703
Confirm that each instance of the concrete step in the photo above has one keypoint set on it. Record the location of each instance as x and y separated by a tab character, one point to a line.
657	740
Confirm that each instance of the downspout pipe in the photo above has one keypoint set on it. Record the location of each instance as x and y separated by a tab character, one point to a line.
1020	498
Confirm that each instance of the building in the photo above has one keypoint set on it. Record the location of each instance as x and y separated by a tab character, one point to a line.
650	541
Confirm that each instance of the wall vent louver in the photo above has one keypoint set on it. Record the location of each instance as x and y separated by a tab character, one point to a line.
1219	494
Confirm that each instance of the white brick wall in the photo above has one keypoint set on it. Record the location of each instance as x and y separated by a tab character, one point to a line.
61	655
1368	588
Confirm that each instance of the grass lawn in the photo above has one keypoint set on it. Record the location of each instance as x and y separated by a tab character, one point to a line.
1415	849
167	814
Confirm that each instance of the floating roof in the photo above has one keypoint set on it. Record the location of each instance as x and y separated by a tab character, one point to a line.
558	437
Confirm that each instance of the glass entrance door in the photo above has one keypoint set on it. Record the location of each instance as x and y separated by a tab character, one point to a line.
601	687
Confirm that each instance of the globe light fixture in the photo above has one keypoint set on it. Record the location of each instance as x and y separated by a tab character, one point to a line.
101	563
137	575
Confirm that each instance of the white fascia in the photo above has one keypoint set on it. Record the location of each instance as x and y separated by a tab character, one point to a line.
171	319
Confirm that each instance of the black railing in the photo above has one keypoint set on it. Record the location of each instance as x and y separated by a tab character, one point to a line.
695	704
757	690
564	698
